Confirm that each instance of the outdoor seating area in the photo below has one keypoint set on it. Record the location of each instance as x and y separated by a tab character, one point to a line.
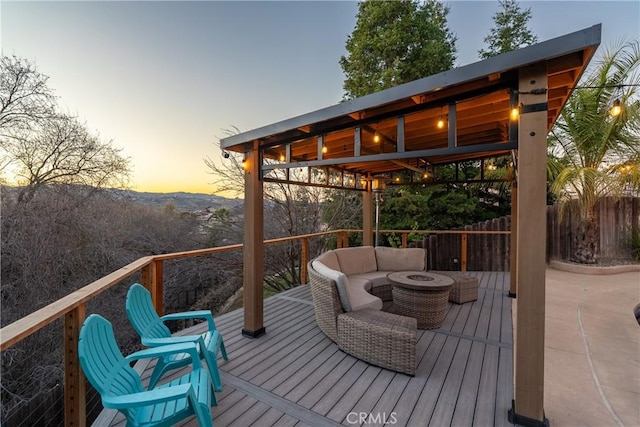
351	286
297	375
120	387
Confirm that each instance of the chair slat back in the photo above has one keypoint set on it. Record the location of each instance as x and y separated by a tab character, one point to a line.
103	363
143	315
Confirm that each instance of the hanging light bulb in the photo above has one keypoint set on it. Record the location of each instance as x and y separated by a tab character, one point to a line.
282	157
440	123
515	112
324	149
376	137
616	108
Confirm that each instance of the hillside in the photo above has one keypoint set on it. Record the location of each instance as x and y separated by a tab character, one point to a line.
181	200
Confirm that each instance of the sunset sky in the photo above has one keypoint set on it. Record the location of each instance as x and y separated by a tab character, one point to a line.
163	79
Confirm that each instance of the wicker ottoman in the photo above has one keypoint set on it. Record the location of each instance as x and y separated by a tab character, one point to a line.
464	289
383	339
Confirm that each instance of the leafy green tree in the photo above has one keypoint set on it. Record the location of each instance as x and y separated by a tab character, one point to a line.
395	42
594	153
510	31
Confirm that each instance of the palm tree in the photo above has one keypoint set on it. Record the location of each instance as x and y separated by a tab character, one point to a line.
594	153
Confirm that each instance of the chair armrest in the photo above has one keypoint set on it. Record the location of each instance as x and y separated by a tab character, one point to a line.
199	314
155	342
151	397
163	350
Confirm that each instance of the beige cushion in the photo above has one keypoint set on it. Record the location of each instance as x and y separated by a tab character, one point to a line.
375	278
357	260
400	259
342	283
330	260
360	298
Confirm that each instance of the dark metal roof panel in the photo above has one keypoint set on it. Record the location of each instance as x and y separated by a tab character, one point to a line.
573	42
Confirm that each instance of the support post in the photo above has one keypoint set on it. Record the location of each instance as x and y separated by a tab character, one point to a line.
157	286
304	259
528	402
74	382
345	239
367	215
463	251
253	249
513	243
151	277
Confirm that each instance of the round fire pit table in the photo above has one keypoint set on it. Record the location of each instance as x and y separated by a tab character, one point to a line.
421	295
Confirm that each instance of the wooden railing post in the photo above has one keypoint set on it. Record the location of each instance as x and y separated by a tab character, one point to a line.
345	239
157	286
151	277
404	239
304	259
463	252
74	381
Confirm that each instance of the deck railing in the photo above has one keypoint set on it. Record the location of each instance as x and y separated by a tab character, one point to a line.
72	308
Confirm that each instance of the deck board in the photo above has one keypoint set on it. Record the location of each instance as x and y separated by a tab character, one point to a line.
296	376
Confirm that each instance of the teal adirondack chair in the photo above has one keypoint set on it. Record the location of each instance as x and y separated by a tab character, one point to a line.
153	333
120	386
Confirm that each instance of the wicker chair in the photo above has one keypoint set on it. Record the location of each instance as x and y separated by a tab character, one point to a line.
382	339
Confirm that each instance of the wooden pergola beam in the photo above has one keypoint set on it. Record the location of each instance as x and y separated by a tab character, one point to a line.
531	245
253	252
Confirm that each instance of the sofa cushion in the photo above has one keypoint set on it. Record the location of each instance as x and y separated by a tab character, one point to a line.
400	259
329	259
360	298
342	282
357	260
375	278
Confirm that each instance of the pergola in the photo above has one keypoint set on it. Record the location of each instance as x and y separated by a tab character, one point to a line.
504	105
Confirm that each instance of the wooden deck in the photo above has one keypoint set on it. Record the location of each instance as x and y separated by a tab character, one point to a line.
296	376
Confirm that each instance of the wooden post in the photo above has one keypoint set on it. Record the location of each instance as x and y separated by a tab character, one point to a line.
146	276
253	250
74	381
345	239
463	252
367	216
531	226
151	277
404	239
304	259
513	243
339	240
157	286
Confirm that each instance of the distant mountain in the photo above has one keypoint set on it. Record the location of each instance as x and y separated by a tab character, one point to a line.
183	201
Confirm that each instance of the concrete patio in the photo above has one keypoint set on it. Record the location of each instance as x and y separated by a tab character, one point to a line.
592	349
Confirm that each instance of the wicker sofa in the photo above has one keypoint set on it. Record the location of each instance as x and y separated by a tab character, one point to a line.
347	313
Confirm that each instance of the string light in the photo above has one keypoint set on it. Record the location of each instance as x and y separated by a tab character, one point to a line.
515	112
616	109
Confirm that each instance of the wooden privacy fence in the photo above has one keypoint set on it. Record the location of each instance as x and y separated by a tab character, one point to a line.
485	246
616	218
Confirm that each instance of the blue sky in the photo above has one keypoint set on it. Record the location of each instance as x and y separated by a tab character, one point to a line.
163	79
